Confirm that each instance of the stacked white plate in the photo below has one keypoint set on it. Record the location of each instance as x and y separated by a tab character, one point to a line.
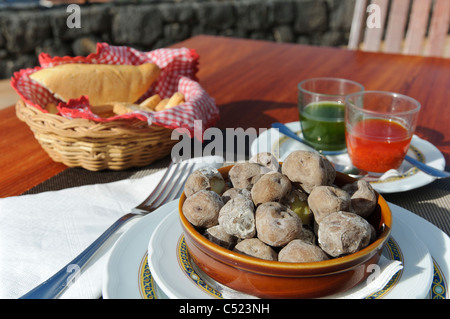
150	261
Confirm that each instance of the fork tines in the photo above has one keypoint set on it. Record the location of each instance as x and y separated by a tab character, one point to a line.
171	184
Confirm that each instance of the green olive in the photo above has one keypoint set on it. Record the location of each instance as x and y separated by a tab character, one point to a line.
301	208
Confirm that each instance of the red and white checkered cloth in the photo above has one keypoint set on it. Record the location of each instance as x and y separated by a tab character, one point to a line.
178	73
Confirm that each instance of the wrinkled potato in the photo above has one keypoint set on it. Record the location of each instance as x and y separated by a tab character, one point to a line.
256	248
331	171
298	251
219	236
324	200
276	225
363	198
245	175
306	168
267	160
343	233
307	235
237	217
202	208
207	178
234	192
271	187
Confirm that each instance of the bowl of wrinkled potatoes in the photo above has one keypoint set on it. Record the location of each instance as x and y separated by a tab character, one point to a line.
296	229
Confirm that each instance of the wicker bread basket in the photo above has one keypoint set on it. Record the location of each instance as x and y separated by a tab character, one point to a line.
115	145
78	138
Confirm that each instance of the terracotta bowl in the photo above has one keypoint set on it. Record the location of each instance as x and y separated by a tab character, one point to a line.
273	279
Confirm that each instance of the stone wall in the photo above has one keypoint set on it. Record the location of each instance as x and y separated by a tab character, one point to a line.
148	25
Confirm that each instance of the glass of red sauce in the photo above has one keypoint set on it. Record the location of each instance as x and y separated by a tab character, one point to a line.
378	129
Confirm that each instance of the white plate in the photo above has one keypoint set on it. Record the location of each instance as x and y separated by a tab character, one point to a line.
127	273
179	277
280	146
438	244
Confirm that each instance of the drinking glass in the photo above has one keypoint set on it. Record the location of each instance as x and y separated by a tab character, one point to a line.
379	127
321	104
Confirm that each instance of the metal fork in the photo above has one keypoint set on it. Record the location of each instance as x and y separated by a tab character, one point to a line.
169	188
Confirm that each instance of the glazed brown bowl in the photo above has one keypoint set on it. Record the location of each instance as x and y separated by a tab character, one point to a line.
274	279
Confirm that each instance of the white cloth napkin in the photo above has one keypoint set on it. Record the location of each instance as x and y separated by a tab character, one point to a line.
41	233
381	274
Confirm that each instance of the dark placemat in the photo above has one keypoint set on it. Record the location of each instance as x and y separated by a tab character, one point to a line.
431	202
73	177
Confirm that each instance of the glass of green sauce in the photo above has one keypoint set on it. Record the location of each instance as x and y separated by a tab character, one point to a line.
321	104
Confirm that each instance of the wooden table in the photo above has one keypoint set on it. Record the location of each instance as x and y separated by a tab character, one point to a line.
254	84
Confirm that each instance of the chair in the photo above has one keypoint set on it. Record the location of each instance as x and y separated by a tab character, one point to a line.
415	27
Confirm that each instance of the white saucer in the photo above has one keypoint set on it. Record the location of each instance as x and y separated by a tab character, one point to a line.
127	274
410	178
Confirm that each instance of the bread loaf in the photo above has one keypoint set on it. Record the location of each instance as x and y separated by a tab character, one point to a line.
101	83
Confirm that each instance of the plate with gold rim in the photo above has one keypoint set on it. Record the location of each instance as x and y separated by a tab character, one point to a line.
177	275
127	273
405	178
